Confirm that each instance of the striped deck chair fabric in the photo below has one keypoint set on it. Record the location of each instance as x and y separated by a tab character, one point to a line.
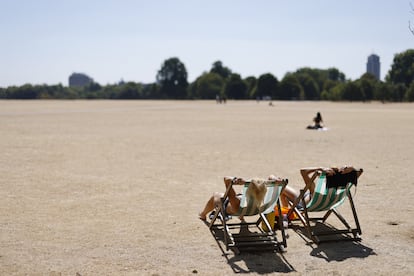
325	199
248	205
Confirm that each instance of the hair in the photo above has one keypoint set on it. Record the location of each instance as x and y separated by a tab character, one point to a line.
257	189
318	115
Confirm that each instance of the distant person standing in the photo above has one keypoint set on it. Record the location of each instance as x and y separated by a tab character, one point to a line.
218	99
317	122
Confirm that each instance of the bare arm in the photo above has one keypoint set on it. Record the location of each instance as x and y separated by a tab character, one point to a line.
271	179
234	180
305	172
329	171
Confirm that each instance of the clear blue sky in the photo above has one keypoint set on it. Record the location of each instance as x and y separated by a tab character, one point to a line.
44	41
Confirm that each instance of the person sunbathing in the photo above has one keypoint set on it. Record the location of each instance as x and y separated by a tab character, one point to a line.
257	189
290	194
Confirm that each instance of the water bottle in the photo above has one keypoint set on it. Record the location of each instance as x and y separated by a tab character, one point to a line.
285	222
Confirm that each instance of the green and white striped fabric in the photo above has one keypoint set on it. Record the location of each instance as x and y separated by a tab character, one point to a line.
248	205
324	199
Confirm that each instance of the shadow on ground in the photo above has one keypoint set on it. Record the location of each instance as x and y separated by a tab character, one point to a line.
265	261
338	250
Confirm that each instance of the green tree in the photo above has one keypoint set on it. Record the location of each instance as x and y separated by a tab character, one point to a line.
192	89
110	91
290	88
172	78
208	86
398	92
367	83
352	92
409	94
221	70
320	76
94	86
336	93
309	86
383	92
235	87
402	69
267	85
251	83
327	88
151	91
129	90
335	75
25	92
48	92
3	94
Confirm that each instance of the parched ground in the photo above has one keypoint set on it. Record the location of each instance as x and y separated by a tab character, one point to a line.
114	187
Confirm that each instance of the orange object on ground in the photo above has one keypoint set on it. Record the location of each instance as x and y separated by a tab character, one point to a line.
285	210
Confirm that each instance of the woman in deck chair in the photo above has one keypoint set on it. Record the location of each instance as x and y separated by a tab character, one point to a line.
257	191
291	194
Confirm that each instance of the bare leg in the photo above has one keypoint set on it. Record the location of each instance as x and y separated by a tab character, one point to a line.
233	199
288	194
210	205
215	200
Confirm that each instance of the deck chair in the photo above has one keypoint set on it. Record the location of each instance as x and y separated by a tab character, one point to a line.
238	236
330	192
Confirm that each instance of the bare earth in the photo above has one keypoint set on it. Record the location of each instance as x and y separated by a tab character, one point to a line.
114	187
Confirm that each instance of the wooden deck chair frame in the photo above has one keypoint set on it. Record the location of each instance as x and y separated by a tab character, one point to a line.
252	241
331	200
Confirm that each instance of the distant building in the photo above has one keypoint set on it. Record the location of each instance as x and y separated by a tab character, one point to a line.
373	66
79	80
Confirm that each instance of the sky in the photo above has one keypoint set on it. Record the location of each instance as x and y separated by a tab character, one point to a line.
45	41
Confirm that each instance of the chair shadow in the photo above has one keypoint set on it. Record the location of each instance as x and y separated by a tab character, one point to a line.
339	250
261	262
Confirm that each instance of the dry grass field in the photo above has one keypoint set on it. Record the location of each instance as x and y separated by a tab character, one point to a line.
114	187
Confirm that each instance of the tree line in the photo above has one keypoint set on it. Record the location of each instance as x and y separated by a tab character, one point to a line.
220	81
